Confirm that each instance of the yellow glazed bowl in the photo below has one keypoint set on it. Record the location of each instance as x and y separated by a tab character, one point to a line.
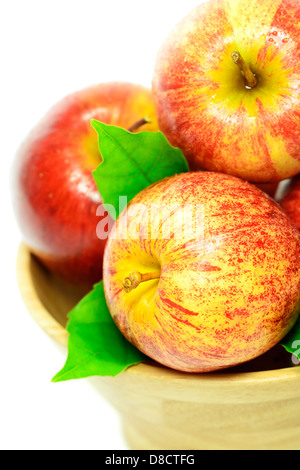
255	406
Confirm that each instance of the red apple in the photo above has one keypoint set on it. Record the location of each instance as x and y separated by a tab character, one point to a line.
54	194
227	88
290	199
202	272
268	188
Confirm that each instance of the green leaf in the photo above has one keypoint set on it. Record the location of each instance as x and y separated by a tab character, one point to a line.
291	342
95	345
132	162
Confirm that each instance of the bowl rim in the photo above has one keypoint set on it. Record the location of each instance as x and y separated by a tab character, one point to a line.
33	302
58	333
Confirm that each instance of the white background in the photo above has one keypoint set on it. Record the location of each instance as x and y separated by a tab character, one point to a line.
48	50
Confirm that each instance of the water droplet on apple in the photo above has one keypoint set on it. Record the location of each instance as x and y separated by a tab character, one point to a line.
285	40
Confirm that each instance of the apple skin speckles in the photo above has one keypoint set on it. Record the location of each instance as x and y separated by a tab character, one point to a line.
220	301
200	97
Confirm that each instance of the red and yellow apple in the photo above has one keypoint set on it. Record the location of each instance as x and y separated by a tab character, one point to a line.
226	86
202	272
54	194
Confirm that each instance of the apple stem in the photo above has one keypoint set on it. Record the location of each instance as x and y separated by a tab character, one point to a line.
139	123
135	278
250	78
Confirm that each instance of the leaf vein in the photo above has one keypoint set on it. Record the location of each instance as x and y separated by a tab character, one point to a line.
123	149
